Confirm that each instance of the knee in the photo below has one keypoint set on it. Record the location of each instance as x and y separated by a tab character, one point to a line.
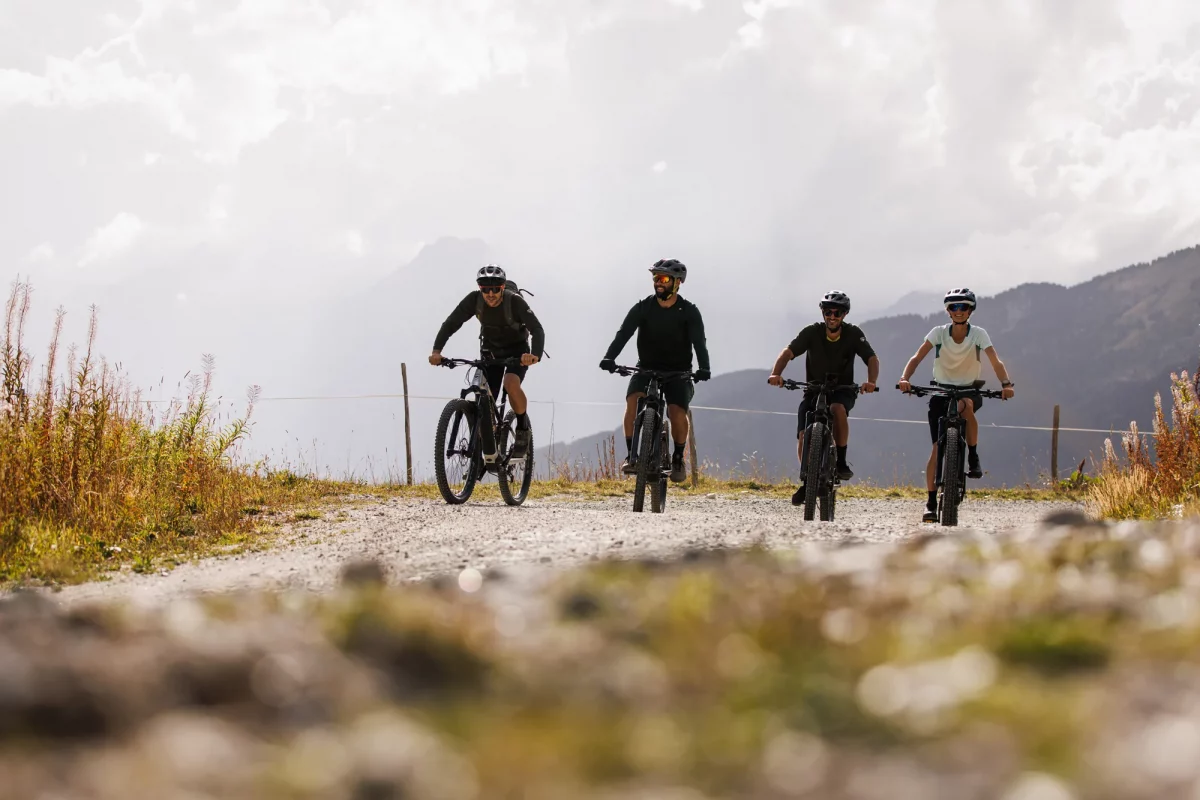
968	412
512	383
839	411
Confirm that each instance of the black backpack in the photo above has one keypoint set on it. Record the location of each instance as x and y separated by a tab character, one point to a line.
510	289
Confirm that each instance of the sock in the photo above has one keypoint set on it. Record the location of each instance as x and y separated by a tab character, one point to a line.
931	504
679	449
522	421
841	453
628	444
972	451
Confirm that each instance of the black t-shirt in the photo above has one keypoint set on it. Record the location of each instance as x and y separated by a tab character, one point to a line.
495	334
666	336
823	356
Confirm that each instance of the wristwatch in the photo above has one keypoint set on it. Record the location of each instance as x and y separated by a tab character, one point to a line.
1007	384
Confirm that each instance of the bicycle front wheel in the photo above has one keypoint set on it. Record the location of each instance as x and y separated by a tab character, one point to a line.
514	475
951	478
812	470
454	454
658	489
647	464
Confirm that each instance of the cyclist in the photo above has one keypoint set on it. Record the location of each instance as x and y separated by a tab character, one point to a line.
506	323
668	328
956	361
829	348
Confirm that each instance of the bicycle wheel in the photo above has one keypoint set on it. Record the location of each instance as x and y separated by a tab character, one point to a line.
454	452
658	489
951	477
647	460
513	475
812	469
828	483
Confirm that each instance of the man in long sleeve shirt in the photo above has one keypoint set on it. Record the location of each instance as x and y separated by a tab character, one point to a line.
506	324
669	328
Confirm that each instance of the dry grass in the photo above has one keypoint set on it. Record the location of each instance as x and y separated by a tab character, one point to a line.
1138	484
91	476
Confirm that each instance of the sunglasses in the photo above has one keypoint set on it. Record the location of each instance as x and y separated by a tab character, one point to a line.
663	280
833	312
959	307
491	289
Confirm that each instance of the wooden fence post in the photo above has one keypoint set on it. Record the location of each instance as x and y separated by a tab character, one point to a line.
692	448
407	429
1054	450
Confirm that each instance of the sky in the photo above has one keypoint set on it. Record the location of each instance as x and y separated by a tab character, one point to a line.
228	160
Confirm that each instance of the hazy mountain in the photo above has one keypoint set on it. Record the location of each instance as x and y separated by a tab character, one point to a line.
1100	350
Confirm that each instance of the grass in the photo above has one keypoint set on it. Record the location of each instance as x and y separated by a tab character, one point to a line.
92	478
1141	482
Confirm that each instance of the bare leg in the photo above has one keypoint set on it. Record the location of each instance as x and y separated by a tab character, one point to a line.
631	411
841	425
967	410
516	395
679	423
931	470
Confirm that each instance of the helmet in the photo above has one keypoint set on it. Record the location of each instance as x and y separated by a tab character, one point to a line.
669	266
963	295
835	299
491	275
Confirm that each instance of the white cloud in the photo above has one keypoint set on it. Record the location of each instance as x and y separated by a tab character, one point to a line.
40	254
354	243
150	159
659	166
109	241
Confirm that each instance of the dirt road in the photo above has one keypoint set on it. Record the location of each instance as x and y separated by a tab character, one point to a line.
418	539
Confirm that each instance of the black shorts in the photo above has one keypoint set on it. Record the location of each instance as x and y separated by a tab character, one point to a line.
845	397
677	391
937	410
495	375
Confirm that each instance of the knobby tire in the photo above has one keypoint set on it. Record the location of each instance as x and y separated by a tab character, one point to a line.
658	489
464	411
951	478
647	462
812	470
506	440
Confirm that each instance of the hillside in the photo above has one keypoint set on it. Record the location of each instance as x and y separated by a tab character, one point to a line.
1100	349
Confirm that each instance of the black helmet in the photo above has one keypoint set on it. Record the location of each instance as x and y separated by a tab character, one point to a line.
491	275
669	266
835	299
963	295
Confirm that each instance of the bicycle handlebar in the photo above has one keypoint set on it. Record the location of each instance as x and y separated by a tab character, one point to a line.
451	363
951	391
657	373
819	385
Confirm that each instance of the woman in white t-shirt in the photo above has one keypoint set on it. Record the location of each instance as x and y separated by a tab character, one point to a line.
958	361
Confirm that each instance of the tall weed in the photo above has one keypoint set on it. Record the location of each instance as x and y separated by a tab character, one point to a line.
89	471
1138	483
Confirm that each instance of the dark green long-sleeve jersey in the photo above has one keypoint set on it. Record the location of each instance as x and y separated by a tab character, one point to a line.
497	337
666	336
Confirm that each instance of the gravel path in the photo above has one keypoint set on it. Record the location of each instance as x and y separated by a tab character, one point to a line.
421	539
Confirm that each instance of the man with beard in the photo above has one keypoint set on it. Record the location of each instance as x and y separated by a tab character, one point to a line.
830	347
668	329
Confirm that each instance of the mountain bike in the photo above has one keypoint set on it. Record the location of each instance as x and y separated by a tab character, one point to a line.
952	440
819	457
650	456
476	436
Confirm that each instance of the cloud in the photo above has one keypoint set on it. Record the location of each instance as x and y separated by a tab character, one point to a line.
41	254
112	240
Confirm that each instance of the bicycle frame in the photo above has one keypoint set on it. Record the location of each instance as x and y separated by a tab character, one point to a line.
489	411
